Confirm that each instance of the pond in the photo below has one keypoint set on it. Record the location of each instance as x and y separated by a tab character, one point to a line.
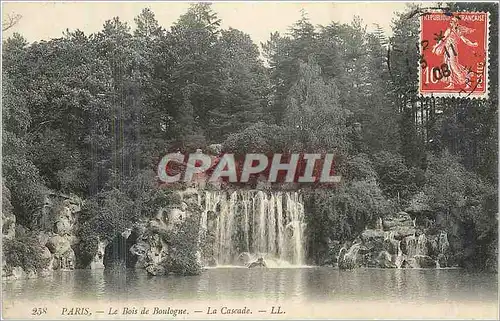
290	287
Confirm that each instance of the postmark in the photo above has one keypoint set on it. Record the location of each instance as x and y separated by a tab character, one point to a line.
453	54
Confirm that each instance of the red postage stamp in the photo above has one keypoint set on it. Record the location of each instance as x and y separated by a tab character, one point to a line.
454	54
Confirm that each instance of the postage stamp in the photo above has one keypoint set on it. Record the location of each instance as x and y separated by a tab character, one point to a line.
454	54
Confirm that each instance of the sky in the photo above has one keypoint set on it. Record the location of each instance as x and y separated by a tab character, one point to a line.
46	20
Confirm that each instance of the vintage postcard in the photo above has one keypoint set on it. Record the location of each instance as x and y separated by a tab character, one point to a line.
249	160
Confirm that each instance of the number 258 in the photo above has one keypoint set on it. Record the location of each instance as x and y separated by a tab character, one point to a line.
38	311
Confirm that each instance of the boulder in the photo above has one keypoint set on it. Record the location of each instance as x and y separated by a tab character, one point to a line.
373	240
175	216
403	231
15	273
369	235
141	249
442	260
8	225
259	263
391	245
443	244
43	237
189	196
125	234
64	261
156	269
400	219
63	225
384	260
400	224
49	257
58	245
433	245
406	264
46	253
212	262
74	204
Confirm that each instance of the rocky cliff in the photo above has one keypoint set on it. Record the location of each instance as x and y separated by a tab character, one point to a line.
184	236
167	243
52	245
398	242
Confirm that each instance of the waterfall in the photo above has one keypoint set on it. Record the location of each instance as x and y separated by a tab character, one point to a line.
411	245
416	246
422	245
398	258
443	242
260	224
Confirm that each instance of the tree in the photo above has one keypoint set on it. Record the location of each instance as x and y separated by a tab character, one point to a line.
11	20
197	74
284	54
244	85
313	112
20	174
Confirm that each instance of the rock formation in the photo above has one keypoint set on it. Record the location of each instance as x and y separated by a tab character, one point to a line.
399	244
259	263
56	240
156	246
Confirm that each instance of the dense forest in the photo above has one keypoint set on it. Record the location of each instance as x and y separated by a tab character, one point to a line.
92	114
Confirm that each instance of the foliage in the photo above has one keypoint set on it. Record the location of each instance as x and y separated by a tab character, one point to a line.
394	176
317	121
258	138
343	213
183	258
358	167
118	208
21	176
463	198
452	189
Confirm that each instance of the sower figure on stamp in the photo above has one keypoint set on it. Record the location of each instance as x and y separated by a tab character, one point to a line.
447	47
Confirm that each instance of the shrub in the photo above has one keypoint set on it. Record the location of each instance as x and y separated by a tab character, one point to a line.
465	200
183	248
358	167
259	138
25	252
342	213
395	178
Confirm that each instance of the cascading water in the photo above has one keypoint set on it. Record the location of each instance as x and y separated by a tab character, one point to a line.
416	245
398	257
258	224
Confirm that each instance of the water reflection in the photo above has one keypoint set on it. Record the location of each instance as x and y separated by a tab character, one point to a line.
296	285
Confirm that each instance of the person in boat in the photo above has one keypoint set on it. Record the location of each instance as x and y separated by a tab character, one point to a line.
259	263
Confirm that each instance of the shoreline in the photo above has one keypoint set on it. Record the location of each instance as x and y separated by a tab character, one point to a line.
48	274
